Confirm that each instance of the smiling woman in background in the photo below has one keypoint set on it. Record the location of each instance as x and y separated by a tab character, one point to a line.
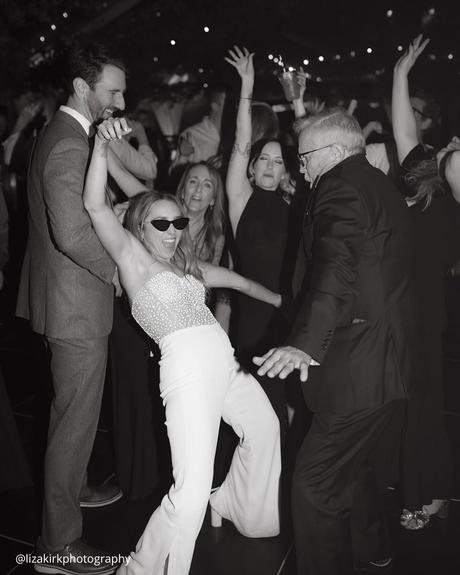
202	193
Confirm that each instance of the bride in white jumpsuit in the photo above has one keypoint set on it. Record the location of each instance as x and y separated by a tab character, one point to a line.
200	381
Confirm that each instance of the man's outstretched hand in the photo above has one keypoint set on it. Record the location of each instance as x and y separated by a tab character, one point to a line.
281	361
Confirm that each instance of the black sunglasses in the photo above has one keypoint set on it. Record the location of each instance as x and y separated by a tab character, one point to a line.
162	225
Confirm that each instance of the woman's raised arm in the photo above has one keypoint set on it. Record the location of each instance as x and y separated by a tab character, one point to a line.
403	119
109	230
238	187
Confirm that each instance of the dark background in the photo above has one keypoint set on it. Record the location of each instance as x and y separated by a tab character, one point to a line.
141	31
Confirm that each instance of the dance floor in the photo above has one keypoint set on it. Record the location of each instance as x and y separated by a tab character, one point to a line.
223	551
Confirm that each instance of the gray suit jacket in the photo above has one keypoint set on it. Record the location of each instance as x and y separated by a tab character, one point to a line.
66	289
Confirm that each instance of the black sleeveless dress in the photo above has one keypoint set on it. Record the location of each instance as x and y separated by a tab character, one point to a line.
265	253
264	250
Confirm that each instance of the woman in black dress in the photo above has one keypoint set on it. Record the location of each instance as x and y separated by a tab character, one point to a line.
427	460
260	217
427	454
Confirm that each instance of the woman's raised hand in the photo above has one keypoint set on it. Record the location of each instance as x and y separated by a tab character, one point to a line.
408	59
302	81
242	61
112	129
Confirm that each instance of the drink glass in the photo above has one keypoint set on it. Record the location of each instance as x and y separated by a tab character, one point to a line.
290	85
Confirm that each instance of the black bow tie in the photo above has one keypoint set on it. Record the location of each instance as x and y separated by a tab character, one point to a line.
91	131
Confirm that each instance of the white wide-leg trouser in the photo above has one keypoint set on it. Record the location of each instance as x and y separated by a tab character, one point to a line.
200	382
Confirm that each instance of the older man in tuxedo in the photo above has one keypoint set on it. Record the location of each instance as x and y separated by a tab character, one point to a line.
67	293
351	342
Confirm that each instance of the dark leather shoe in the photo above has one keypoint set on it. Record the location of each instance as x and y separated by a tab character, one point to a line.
379	566
99	495
76	558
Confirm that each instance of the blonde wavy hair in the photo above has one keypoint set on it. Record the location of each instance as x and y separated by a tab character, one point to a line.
425	179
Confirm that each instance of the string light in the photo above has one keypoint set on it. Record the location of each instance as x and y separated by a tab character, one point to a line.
205	85
429	14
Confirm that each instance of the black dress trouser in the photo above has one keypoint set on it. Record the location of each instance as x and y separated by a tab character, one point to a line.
337	512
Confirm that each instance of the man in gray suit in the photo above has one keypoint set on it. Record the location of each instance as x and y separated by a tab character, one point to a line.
67	294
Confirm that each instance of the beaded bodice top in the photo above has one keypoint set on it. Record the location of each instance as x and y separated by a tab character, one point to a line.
168	302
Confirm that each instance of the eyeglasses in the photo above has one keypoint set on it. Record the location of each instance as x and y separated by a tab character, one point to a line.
303	156
414	109
162	225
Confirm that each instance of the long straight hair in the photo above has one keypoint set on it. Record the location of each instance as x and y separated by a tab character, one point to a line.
213	227
184	256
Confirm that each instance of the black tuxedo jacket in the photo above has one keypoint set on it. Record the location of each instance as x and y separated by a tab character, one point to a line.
356	318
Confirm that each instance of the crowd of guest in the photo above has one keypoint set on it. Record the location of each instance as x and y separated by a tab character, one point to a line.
223	278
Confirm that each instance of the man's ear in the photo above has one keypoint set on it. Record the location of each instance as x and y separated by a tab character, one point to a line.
80	87
338	152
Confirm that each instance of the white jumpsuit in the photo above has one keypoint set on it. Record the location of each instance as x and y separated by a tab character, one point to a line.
200	382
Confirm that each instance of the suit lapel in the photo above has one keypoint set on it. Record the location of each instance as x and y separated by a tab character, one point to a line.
308	220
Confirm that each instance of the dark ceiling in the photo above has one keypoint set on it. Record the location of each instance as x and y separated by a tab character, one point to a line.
340	31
